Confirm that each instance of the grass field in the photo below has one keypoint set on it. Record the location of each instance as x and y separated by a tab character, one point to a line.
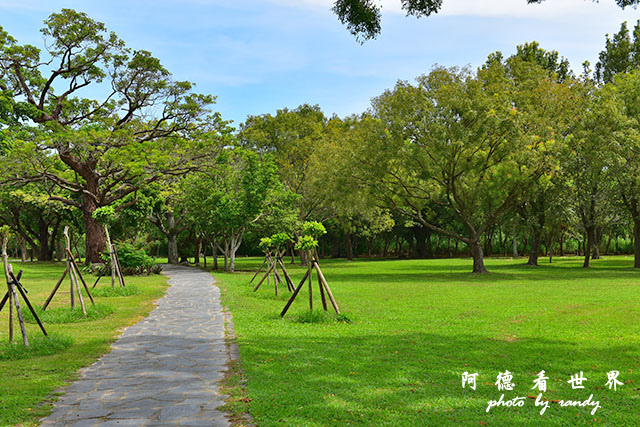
26	383
417	325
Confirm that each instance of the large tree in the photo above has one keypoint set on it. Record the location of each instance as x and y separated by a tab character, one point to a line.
459	140
103	150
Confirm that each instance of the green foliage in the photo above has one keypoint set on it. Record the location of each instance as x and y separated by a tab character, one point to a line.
314	229
280	239
69	315
266	243
363	17
39	345
105	215
306	243
621	54
133	261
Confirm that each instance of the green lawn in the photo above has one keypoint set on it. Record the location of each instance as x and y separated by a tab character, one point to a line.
26	383
417	325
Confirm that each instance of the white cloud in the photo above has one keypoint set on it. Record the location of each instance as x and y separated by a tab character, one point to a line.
549	9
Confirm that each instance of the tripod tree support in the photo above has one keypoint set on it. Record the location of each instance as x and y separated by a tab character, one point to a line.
13	287
75	278
106	215
272	247
308	243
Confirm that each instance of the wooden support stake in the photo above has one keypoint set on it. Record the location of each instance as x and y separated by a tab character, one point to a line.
26	300
77	270
119	267
259	270
74	275
295	294
97	280
23	329
309	268
327	288
55	289
5	261
320	285
265	277
4	300
290	284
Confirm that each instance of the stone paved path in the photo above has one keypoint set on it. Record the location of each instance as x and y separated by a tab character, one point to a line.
163	370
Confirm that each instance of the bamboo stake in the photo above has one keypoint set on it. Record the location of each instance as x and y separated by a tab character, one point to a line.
55	289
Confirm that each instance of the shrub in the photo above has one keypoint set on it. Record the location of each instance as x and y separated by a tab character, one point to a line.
133	261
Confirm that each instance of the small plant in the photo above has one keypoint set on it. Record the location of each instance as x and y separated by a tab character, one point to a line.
38	346
69	315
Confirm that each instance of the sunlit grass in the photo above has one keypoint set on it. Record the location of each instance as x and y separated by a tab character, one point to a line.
417	325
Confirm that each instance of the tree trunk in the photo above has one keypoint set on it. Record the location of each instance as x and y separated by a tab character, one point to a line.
349	247
588	243
172	247
478	257
423	237
515	244
196	256
23	248
95	242
214	249
535	247
561	242
597	237
636	242
44	254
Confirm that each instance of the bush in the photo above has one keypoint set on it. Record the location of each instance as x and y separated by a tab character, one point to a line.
133	261
39	345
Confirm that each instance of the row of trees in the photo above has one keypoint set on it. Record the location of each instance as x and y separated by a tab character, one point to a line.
520	149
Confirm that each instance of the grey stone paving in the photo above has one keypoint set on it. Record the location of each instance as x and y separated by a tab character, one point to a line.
163	370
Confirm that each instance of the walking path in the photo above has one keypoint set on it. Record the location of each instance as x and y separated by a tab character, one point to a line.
163	370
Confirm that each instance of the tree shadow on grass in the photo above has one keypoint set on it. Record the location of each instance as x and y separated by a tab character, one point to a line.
415	379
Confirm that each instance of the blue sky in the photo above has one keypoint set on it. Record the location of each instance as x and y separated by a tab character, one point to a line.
259	56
